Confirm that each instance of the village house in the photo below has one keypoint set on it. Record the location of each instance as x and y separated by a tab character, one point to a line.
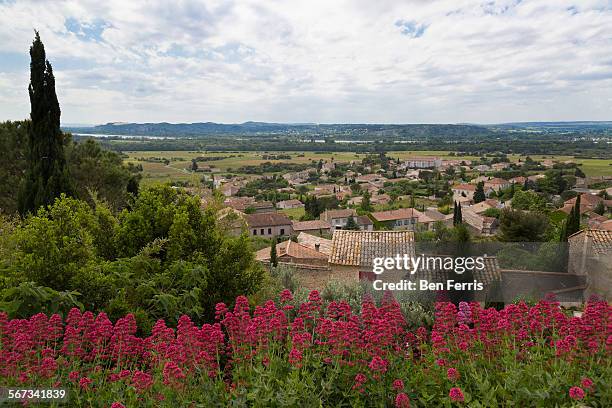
497	184
293	203
518	180
372	189
404	218
483	206
364	223
368	178
380	199
317	243
422	163
479	179
339	218
268	225
317	227
464	190
588	203
480	224
482	167
590	255
230	189
352	252
239	203
499	166
293	253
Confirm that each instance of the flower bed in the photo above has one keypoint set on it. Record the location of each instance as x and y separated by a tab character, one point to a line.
290	354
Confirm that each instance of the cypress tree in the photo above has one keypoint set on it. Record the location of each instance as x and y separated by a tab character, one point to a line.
273	257
47	174
479	194
459	215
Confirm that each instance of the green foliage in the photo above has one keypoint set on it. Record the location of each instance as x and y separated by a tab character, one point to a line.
47	174
164	257
366	205
528	200
517	225
13	145
351	224
273	255
99	171
479	194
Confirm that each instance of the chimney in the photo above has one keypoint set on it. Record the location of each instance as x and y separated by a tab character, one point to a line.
317	246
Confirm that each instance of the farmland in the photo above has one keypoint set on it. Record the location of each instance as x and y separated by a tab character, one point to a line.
158	172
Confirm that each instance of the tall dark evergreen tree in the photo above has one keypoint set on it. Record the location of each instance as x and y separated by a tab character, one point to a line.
479	194
47	174
273	255
457	215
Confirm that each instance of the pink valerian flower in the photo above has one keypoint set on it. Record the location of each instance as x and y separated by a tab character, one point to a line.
576	393
398	385
587	383
172	373
48	366
286	296
360	379
117	405
402	401
142	381
378	364
295	357
456	395
84	383
74	376
452	374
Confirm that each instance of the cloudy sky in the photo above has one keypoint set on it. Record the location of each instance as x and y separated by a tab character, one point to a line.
329	61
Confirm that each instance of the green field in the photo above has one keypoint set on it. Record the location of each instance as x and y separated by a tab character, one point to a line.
180	160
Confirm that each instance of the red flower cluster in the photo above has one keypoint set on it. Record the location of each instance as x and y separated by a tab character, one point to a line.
368	345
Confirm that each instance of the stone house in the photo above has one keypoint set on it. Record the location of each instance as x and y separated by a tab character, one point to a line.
268	225
590	255
316	227
404	218
293	203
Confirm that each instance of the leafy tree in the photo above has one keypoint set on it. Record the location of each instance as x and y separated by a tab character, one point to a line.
47	174
519	226
102	173
366	205
528	200
579	173
273	255
13	145
351	224
479	194
600	208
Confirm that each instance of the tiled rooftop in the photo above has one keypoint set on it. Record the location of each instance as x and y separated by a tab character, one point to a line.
358	248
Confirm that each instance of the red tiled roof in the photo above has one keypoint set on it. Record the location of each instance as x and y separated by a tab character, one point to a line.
292	249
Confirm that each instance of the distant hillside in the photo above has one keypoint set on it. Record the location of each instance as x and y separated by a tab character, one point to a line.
352	131
602	127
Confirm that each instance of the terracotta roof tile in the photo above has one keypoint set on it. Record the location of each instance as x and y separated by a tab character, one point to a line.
310	225
358	248
311	241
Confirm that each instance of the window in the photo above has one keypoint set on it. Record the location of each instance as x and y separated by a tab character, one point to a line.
282	231
262	231
254	232
269	231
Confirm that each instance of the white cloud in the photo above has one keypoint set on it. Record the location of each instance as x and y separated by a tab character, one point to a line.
321	61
